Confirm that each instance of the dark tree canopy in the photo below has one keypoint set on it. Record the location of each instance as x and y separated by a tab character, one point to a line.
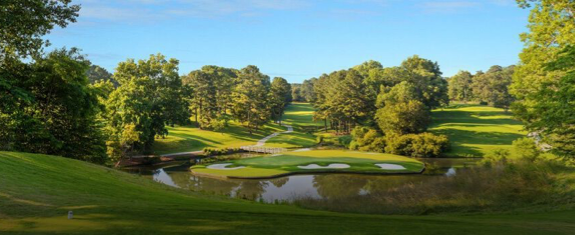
24	22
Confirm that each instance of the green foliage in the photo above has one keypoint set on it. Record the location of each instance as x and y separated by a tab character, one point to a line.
460	87
280	97
98	74
400	111
425	75
55	108
367	139
210	94
553	112
307	91
543	81
417	145
351	97
148	99
296	93
499	186
492	87
527	149
24	22
222	151
344	99
250	105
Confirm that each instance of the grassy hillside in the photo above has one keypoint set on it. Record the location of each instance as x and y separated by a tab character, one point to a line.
300	116
186	139
475	130
290	162
37	191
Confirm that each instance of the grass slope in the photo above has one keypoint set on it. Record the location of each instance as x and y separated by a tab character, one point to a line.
187	139
300	116
37	191
287	163
475	130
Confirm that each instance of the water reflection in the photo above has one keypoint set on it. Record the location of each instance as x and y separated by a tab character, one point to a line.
319	186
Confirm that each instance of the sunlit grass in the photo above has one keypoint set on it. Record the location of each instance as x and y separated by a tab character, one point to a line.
288	162
186	139
475	130
107	201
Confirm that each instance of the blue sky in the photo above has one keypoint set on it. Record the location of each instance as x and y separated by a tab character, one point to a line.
298	39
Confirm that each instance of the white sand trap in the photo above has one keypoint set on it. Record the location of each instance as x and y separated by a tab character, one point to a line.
302	150
330	166
223	167
386	166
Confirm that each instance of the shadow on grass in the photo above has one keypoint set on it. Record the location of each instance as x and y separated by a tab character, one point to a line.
475	137
461	117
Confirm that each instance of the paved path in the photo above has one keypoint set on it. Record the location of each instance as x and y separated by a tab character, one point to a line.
260	143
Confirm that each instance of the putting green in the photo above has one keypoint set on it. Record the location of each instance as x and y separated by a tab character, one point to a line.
298	162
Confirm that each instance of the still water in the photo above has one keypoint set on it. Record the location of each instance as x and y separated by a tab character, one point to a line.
289	188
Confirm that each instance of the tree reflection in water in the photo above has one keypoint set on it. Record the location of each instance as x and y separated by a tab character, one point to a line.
328	187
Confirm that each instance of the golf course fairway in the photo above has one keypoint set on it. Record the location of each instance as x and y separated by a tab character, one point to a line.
311	161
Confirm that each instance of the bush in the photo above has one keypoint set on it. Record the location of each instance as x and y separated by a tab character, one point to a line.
223	151
503	186
417	145
209	160
366	139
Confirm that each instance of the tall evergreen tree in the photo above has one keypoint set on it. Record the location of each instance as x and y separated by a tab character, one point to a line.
460	87
251	106
280	97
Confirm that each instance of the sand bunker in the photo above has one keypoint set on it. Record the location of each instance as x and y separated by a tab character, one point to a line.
386	166
330	166
302	150
223	167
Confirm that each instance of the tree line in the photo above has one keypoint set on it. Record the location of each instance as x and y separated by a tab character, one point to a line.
491	87
59	103
380	106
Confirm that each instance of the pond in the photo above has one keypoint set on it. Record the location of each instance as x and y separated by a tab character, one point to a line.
290	188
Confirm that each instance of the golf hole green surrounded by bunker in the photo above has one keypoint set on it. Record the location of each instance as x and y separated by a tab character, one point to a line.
312	161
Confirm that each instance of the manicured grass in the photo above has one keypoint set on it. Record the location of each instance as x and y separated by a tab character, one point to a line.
475	130
286	163
300	116
37	191
187	139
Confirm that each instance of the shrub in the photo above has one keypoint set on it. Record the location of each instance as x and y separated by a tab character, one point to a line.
526	148
366	139
508	185
223	151
416	145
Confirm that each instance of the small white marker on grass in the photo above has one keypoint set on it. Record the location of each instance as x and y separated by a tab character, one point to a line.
70	215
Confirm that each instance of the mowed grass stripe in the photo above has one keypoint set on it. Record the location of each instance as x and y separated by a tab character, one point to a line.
475	130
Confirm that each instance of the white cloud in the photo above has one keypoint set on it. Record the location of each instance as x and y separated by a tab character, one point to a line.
140	9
